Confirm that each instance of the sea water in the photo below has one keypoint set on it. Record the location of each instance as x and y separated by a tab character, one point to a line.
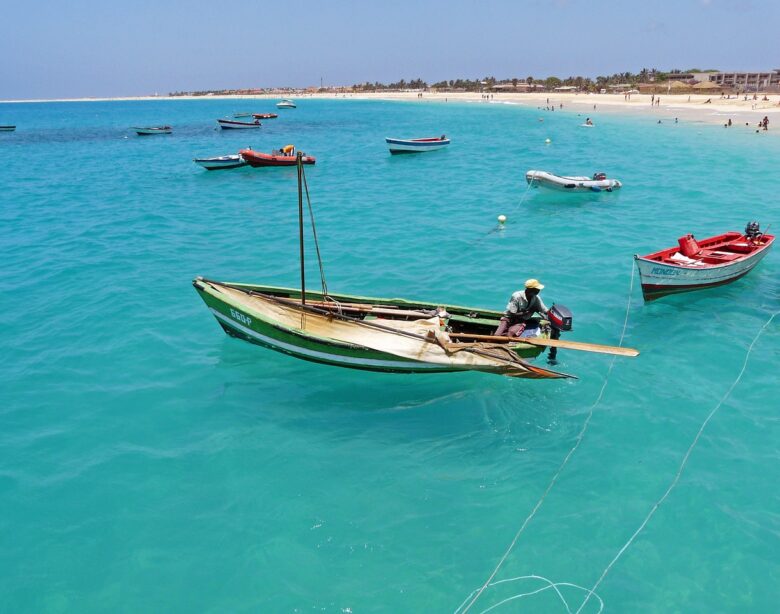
148	462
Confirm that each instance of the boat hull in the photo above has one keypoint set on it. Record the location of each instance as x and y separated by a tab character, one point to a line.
152	131
406	146
660	279
543	179
227	124
223	162
258	159
238	321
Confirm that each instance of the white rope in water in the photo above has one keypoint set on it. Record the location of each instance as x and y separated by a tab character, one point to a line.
555	477
680	470
549	585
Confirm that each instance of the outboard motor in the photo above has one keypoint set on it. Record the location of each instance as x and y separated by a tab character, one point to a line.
753	231
560	320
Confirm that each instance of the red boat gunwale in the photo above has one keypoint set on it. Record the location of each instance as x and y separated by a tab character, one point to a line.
721	250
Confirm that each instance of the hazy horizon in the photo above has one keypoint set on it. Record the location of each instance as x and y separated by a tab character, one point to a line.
88	49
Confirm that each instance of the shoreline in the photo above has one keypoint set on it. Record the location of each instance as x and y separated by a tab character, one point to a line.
693	107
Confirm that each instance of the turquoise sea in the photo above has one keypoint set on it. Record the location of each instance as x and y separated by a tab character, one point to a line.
149	463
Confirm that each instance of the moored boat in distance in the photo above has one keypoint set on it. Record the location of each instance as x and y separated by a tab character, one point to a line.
150	130
229	124
598	183
221	162
7	128
264	115
403	146
286	156
695	265
285	104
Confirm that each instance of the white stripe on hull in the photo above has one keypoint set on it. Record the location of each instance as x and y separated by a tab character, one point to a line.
401	147
336	358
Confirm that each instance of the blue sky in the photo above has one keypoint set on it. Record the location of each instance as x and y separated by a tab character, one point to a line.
102	48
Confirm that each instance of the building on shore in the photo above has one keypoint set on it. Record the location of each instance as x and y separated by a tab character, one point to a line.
747	81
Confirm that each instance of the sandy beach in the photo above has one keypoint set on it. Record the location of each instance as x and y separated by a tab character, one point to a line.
692	108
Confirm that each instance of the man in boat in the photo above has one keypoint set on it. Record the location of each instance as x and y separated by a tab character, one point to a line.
521	308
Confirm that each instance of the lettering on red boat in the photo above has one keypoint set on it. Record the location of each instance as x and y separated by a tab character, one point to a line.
664	271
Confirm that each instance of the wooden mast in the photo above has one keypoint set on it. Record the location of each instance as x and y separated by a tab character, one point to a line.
300	225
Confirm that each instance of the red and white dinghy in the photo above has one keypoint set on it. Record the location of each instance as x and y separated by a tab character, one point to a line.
694	265
284	157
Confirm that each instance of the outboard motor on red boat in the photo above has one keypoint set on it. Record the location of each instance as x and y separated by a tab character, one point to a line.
753	231
560	319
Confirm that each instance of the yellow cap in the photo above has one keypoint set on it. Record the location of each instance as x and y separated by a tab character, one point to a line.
534	283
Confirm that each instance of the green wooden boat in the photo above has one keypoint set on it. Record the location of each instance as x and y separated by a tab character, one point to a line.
376	334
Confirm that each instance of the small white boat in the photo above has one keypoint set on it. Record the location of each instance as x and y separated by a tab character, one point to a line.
220	162
402	146
7	128
149	130
285	104
229	124
597	183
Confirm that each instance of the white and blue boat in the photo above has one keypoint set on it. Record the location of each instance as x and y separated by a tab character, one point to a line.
220	162
598	183
401	146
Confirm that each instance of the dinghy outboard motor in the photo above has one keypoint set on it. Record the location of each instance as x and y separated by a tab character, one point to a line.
753	231
560	318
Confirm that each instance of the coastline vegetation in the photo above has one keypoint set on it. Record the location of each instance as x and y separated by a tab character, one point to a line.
651	76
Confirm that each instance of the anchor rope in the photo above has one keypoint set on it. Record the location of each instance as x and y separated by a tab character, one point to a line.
681	468
563	464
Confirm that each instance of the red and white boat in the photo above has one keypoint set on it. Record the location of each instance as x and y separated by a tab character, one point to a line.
227	124
694	265
264	115
284	157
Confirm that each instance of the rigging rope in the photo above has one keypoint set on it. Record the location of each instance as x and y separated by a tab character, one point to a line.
680	470
555	477
316	241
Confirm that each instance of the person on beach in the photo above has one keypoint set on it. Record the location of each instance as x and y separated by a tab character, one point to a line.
521	308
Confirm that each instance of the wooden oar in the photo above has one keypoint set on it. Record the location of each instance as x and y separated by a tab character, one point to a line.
558	343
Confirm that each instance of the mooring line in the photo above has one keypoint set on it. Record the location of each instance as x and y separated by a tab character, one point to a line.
680	470
549	585
562	466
